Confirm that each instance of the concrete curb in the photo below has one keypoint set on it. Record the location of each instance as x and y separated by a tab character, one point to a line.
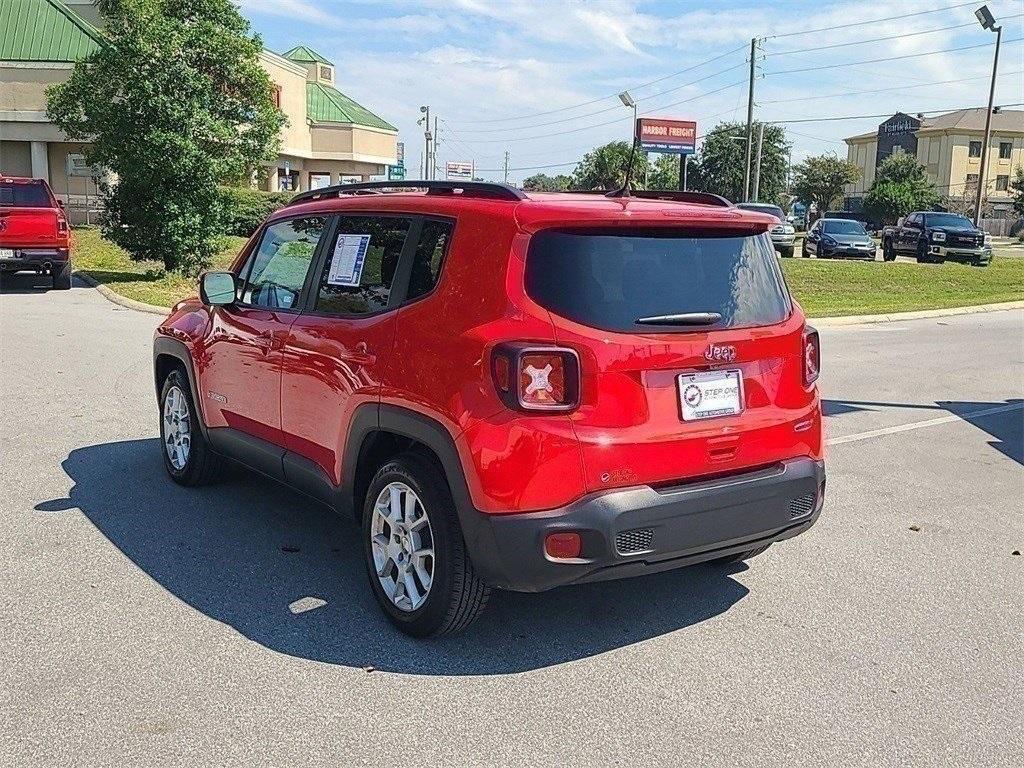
893	317
120	300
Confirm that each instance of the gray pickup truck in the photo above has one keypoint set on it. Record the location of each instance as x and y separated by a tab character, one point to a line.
934	237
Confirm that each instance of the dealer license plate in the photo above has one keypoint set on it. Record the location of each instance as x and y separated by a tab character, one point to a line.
6	253
710	394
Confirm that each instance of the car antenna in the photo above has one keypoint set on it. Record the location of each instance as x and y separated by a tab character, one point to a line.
623	191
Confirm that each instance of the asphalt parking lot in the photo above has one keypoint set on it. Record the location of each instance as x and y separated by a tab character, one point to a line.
145	624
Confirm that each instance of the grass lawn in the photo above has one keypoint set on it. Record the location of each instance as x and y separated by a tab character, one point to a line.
823	287
144	281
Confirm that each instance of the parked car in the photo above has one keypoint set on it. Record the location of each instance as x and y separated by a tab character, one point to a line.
838	239
34	233
934	237
783	234
870	226
506	390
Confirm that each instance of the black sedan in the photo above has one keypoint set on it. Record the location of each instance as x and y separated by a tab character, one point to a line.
838	239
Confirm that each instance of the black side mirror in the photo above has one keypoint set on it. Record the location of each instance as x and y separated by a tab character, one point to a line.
60	203
217	288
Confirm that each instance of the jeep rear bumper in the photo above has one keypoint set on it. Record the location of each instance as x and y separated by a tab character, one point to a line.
645	530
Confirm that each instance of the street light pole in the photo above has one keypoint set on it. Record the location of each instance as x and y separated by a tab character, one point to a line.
987	22
757	162
426	141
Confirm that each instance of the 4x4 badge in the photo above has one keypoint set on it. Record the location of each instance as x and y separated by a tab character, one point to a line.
723	352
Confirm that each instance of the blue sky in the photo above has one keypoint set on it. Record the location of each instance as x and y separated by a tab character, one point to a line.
490	69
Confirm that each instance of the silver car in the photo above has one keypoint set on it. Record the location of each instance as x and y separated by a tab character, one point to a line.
783	234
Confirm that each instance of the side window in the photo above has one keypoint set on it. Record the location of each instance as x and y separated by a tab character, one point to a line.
277	269
426	266
361	264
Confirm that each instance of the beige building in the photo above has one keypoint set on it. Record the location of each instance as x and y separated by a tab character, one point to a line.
328	138
949	147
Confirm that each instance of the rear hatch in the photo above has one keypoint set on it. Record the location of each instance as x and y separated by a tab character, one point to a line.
28	215
691	351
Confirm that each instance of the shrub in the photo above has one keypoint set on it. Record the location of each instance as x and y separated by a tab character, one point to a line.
245	208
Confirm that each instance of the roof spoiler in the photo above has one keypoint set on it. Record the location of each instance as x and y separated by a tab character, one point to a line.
480	189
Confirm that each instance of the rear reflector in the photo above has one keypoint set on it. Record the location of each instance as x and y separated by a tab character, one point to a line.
563	546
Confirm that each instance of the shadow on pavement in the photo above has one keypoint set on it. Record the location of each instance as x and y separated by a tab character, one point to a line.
24	282
251	554
1006	425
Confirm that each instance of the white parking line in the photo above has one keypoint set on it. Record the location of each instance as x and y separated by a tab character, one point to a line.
922	424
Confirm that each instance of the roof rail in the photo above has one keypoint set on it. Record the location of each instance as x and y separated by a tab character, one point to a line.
679	196
485	189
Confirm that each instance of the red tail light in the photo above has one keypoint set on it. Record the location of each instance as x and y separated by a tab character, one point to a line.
536	378
811	356
563	546
62	225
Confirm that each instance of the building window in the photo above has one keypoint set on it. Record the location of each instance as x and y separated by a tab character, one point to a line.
325	73
1002	183
974	150
972	182
1005	148
275	95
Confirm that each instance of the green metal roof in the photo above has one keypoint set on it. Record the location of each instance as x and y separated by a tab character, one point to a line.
329	105
44	30
306	55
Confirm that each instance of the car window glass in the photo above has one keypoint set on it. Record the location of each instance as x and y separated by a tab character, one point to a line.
361	264
24	195
277	270
843	227
426	266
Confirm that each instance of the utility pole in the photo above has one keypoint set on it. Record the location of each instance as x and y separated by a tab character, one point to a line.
757	162
750	121
506	166
684	161
426	141
988	131
433	170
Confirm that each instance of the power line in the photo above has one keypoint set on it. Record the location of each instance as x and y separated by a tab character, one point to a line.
607	96
870	21
884	114
888	58
883	90
870	40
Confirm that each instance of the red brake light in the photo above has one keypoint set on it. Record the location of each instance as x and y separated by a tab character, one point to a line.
563	546
62	225
537	378
811	356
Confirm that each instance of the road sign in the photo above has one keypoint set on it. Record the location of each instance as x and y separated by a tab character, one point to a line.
458	171
676	137
76	166
396	172
400	154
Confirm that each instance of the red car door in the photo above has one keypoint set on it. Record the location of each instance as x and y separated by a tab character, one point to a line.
240	378
337	353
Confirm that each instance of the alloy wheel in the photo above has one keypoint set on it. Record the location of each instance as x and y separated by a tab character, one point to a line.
177	428
402	544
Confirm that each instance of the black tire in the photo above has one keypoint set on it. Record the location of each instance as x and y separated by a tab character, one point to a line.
922	255
803	251
739	557
888	254
457	595
202	465
786	253
62	277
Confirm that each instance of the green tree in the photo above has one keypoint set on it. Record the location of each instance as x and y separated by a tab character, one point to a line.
900	186
605	167
665	173
722	162
174	104
1017	188
541	182
821	180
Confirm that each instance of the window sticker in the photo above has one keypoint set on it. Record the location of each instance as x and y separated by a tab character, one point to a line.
348	260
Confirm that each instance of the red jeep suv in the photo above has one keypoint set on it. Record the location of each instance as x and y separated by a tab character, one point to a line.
506	390
33	230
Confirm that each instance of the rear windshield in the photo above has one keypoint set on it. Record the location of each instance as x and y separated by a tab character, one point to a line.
608	280
24	195
843	227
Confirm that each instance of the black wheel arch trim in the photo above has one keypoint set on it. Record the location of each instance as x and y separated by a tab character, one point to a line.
164	346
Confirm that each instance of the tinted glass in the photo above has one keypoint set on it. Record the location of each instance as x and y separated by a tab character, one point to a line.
426	267
843	227
947	220
771	210
608	280
278	268
24	195
361	265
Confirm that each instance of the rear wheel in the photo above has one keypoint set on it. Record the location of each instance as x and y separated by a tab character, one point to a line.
888	254
62	276
786	253
416	558
187	456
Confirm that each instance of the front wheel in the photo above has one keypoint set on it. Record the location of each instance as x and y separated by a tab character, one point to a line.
416	558
187	456
888	254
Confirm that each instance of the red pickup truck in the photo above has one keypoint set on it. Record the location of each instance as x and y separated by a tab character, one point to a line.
34	233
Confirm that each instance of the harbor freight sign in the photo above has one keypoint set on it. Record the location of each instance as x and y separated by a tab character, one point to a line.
678	137
458	171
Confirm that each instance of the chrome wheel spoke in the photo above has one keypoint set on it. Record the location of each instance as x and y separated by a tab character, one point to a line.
401	544
177	428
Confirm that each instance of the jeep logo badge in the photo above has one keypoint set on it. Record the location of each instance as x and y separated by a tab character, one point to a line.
720	353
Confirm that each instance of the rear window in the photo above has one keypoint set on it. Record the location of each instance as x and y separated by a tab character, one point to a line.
24	195
608	280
